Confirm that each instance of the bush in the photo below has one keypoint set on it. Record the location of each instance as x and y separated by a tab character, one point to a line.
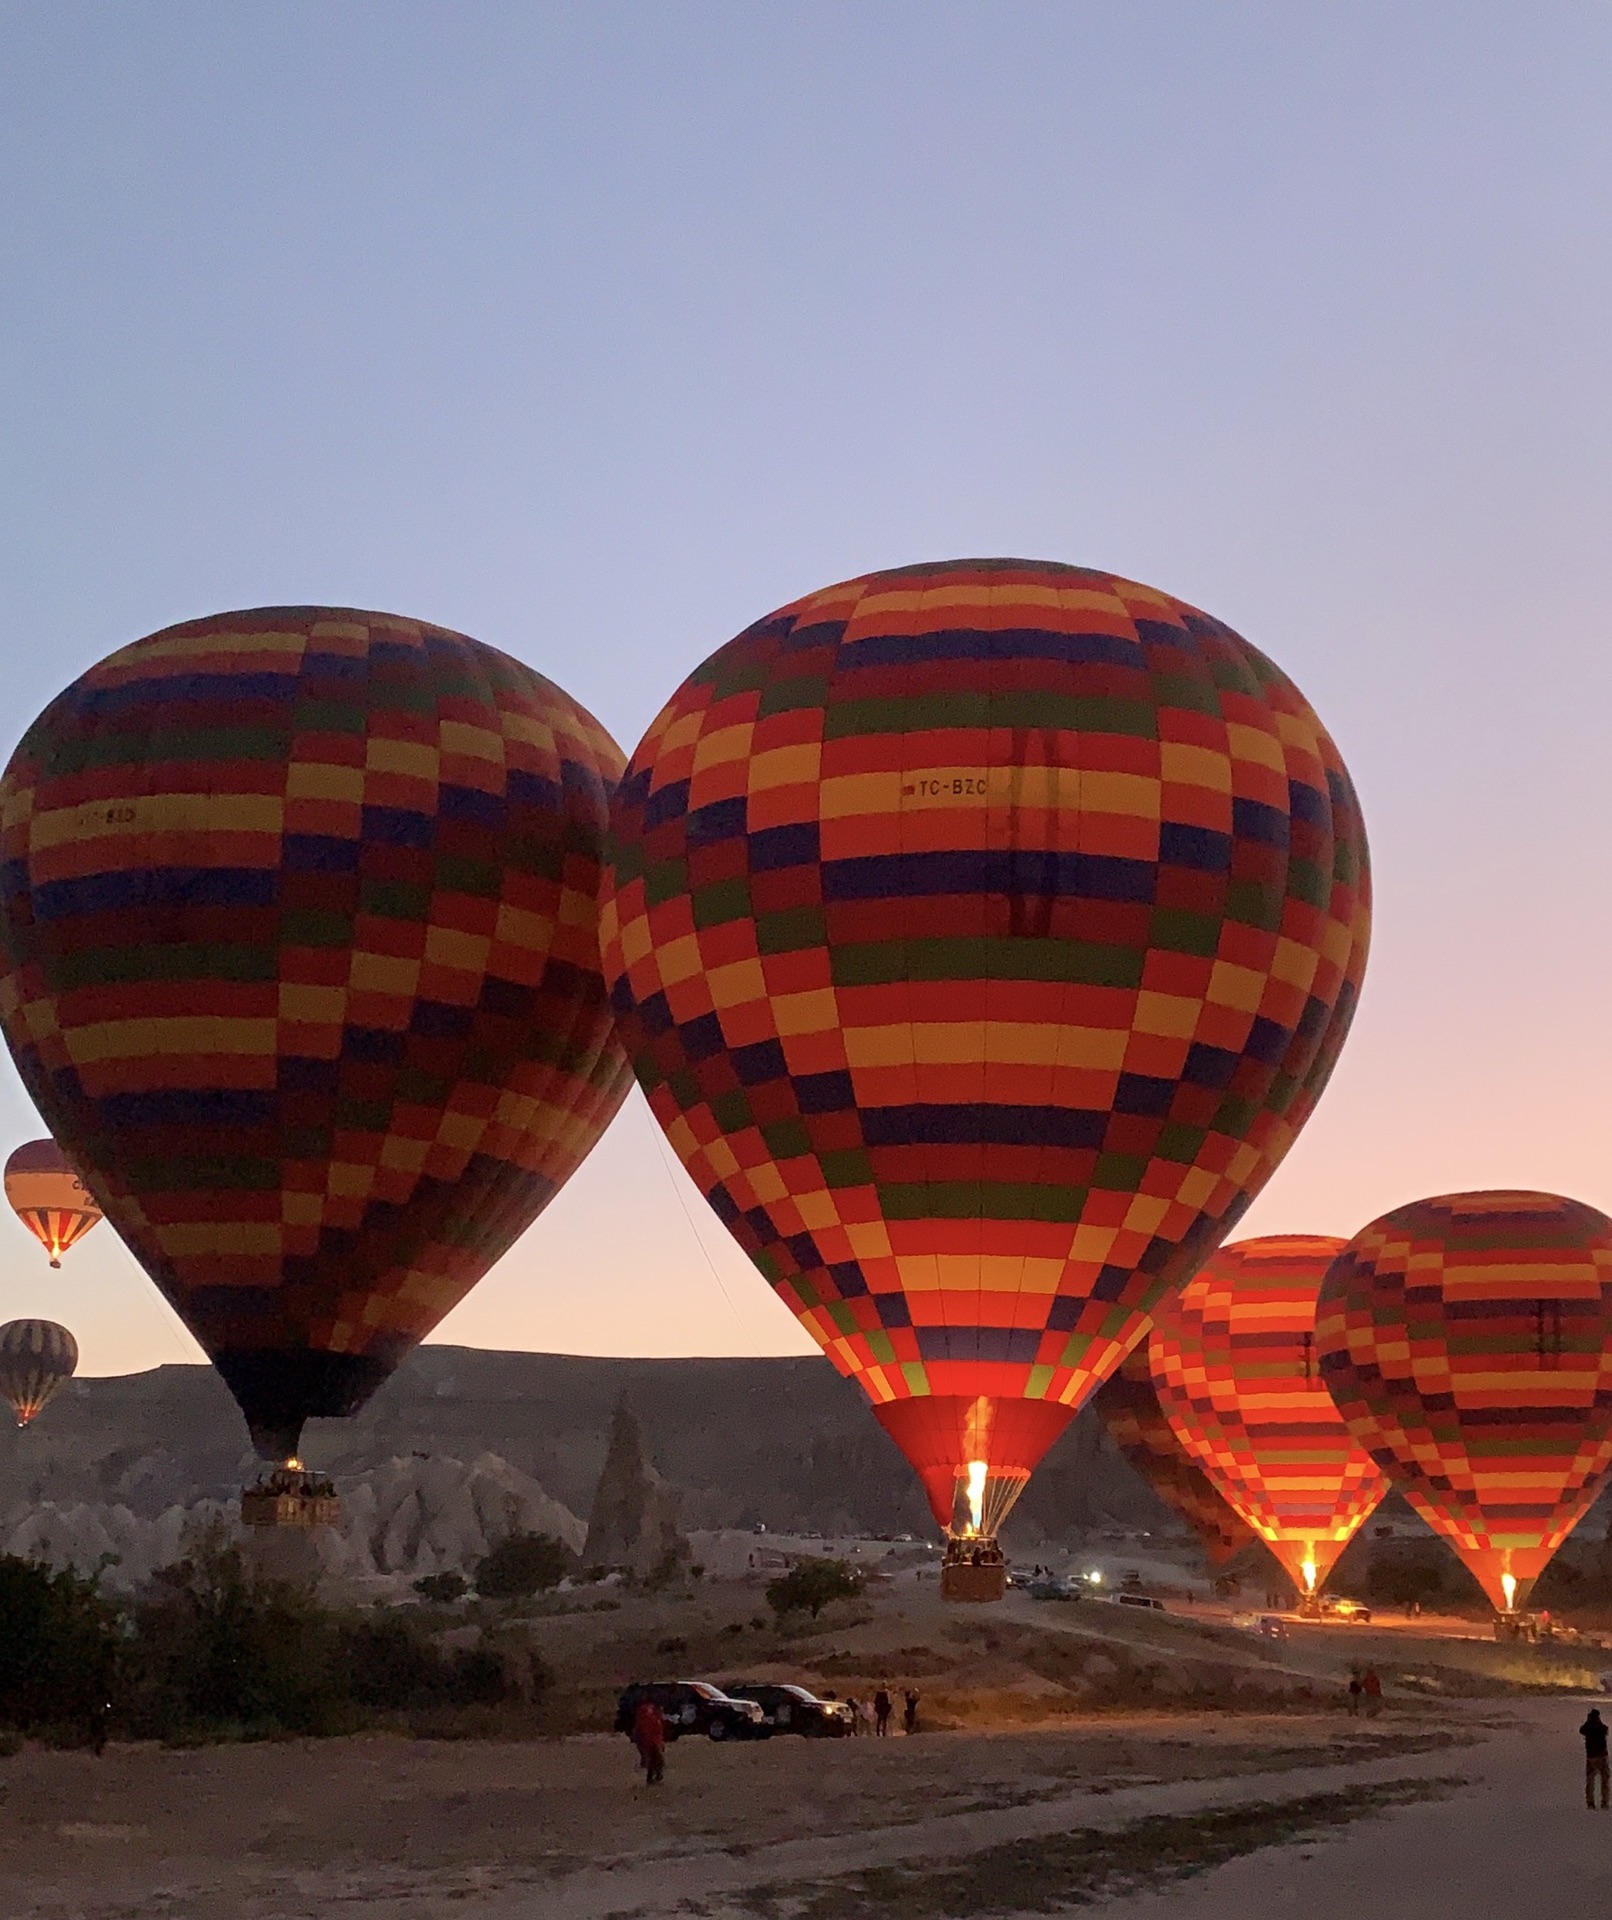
58	1650
522	1564
810	1585
209	1652
213	1648
444	1588
386	1663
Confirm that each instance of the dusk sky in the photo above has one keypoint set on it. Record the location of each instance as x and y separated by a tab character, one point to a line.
599	331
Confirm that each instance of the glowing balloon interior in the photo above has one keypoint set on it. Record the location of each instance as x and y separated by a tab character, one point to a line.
1235	1363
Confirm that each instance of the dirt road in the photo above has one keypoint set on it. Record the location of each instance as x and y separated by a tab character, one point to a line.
1516	1844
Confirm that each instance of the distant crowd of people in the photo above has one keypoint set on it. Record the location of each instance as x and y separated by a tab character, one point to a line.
874	1716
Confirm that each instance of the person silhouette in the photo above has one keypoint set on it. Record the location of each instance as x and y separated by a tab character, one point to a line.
1596	1769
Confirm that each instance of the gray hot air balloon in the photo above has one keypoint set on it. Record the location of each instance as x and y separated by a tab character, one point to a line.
36	1356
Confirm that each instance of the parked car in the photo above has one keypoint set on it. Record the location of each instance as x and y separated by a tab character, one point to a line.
1052	1586
1272	1627
1338	1606
693	1706
790	1709
1141	1600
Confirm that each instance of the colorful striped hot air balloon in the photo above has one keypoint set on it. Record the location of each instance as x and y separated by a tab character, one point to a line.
1467	1341
1235	1361
36	1356
982	934
48	1197
1128	1404
301	967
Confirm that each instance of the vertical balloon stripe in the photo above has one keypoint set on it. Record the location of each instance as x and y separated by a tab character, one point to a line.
1467	1340
48	1197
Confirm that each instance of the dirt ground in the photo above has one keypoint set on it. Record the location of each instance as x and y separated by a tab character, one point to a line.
296	1827
1181	1738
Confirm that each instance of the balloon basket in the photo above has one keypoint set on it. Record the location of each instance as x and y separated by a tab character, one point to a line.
963	1580
1516	1626
290	1498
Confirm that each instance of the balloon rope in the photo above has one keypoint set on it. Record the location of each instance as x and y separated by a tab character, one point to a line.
682	1201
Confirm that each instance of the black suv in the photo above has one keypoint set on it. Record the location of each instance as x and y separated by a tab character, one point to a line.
693	1706
794	1710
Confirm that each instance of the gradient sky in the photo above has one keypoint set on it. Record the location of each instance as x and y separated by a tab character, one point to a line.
598	332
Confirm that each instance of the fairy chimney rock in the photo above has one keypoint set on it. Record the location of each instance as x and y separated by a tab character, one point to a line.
633	1525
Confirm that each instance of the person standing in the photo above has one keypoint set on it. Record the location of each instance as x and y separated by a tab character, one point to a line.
1356	1688
857	1724
909	1720
1594	1731
1372	1686
649	1737
883	1707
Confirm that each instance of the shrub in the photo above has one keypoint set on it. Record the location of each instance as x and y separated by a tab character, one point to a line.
387	1663
58	1650
214	1648
522	1564
444	1588
810	1585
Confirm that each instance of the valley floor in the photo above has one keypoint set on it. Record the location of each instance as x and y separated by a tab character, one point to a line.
1037	1785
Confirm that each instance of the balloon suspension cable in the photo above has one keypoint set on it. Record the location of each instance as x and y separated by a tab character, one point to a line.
982	1501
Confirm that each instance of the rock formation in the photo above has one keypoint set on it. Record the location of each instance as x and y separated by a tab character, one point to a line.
409	1517
633	1524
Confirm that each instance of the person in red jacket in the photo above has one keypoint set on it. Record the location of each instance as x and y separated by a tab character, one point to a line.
649	1737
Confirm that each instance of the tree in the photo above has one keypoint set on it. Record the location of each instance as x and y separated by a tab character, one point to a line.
58	1649
810	1585
214	1646
444	1588
522	1564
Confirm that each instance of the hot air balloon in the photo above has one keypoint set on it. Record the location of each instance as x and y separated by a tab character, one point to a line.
982	933
1467	1340
48	1197
1234	1359
300	965
1128	1404
36	1356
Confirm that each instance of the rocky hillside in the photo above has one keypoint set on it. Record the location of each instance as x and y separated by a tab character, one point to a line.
785	1442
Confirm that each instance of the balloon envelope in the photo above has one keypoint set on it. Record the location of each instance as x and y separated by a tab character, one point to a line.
300	965
1235	1362
48	1197
1128	1404
36	1356
1467	1341
982	933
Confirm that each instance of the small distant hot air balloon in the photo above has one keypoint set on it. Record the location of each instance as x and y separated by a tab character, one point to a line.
36	1356
1467	1340
1235	1360
982	934
48	1197
299	959
1128	1405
